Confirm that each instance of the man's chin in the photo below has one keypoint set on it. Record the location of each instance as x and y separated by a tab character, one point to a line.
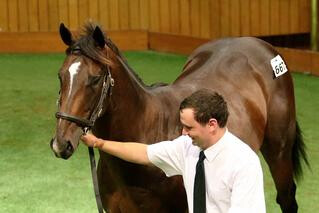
195	143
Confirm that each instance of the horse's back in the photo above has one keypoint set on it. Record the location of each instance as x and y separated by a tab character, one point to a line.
240	70
230	56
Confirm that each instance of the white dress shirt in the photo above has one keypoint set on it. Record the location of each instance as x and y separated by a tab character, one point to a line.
233	174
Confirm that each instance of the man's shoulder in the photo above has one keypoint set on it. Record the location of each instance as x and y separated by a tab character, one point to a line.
240	149
238	142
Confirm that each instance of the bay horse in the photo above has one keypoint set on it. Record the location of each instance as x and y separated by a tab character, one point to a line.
262	113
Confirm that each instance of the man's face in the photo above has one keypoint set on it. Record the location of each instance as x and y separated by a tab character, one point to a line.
198	132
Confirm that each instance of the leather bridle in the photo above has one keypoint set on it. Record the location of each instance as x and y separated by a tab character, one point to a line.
87	124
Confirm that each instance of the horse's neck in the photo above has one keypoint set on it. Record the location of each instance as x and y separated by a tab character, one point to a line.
129	95
129	91
136	112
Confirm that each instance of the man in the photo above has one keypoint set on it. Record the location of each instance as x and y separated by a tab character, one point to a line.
233	175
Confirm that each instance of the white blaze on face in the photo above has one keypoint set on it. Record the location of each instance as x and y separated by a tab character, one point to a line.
73	70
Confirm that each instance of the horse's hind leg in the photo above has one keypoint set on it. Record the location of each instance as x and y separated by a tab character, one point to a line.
281	168
277	150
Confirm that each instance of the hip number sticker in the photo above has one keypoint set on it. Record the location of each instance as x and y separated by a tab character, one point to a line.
278	65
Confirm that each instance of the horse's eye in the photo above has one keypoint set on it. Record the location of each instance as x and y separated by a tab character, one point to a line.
93	80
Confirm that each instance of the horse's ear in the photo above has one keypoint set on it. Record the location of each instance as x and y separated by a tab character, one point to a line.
65	35
98	37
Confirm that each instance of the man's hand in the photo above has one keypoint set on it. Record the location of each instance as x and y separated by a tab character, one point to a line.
92	141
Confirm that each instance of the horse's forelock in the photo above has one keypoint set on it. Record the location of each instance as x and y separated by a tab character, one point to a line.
85	42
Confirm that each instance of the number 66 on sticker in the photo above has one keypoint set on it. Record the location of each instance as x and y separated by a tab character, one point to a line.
278	65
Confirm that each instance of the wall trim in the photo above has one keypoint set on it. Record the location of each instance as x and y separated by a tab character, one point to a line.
48	42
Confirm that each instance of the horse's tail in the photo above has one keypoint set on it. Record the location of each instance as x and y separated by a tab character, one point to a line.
299	153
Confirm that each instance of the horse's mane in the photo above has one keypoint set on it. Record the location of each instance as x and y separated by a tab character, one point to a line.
86	44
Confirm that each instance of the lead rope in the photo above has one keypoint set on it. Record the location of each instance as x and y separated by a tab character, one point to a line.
94	179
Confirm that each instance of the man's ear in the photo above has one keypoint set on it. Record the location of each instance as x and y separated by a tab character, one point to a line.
212	123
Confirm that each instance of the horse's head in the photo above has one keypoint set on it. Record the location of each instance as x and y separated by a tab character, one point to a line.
85	81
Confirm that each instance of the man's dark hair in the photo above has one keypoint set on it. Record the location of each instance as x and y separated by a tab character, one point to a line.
206	105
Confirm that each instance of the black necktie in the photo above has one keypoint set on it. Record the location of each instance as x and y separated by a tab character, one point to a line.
199	186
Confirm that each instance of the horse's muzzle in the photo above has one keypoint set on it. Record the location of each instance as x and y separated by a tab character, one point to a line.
61	150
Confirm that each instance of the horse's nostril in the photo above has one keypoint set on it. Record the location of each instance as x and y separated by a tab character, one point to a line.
69	147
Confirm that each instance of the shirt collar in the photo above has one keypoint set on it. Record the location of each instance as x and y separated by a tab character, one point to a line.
212	151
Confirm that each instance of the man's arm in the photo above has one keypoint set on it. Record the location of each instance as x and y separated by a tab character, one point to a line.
128	151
